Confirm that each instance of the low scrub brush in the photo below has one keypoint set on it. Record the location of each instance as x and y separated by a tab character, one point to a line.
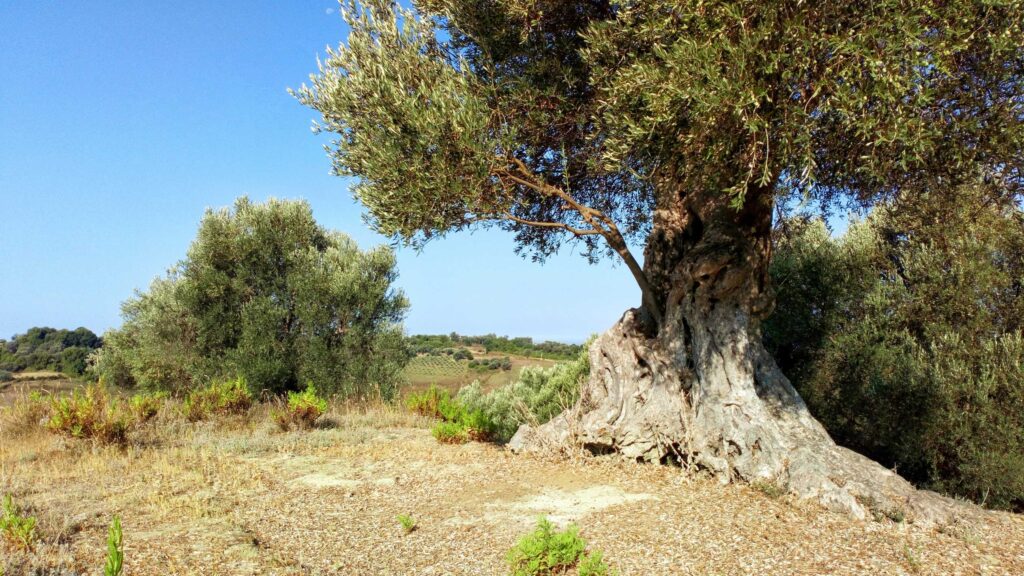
89	415
450	432
19	530
144	407
219	399
429	402
23	416
302	411
547	551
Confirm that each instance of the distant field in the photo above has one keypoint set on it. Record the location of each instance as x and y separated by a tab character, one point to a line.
423	371
26	382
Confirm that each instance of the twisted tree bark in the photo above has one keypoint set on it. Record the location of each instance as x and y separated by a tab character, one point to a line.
699	386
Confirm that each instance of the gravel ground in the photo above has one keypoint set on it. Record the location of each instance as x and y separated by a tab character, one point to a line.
240	498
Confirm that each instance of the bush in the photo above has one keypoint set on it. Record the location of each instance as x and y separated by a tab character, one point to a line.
19	530
906	338
458	424
266	293
220	399
537	396
302	411
547	551
6	376
146	406
89	415
450	432
428	402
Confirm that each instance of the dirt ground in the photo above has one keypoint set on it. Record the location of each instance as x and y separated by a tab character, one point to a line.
238	497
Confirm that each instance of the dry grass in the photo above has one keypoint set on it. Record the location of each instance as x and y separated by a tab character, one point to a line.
235	496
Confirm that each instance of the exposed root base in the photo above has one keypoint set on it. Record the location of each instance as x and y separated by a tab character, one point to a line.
654	400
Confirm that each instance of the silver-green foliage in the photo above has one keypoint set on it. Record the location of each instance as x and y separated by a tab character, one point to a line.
538	395
906	338
265	293
547	116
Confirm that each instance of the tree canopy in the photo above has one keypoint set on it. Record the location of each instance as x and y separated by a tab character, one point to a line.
560	120
267	293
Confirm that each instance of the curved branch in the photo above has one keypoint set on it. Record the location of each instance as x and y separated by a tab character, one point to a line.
600	223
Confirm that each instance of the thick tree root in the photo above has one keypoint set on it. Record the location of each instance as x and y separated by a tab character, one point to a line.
654	400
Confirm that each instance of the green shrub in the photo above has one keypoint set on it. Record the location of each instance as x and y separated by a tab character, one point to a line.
90	415
905	337
6	376
450	432
428	402
593	565
219	399
459	422
146	406
302	410
19	530
538	395
115	549
547	551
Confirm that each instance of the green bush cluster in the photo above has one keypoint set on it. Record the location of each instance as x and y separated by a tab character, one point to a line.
302	410
218	399
538	395
458	423
267	293
547	551
905	338
89	414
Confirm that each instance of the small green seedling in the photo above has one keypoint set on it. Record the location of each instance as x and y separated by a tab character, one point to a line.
407	522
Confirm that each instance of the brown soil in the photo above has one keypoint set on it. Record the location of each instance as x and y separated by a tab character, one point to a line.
240	498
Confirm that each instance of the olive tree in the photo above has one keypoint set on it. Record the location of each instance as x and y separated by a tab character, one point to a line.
676	125
267	293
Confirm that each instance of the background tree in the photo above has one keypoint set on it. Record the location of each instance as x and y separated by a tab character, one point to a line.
266	293
906	337
42	348
676	124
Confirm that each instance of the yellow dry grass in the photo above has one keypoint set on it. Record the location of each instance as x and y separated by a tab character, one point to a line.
238	497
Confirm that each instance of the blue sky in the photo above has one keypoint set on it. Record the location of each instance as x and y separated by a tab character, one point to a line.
122	121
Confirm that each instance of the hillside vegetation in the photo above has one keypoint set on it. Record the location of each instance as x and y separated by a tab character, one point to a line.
41	348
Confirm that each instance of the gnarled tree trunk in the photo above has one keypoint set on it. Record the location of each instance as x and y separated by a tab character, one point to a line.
700	386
